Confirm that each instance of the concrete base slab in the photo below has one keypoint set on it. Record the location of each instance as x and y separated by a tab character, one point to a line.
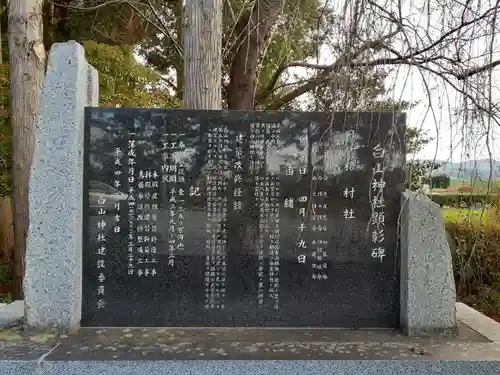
264	344
478	322
245	351
11	312
136	351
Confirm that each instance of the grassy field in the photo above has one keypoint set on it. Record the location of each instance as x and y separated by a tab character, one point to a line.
456	215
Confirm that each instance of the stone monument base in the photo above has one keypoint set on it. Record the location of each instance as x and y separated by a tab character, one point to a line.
137	351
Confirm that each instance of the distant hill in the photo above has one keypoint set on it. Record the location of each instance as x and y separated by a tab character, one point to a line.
471	170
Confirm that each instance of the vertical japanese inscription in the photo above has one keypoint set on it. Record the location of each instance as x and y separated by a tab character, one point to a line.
147	211
300	202
273	209
257	164
319	214
131	237
216	210
174	175
348	149
378	204
267	194
258	169
118	184
238	174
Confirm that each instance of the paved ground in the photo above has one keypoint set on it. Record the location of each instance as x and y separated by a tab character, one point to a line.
138	351
284	344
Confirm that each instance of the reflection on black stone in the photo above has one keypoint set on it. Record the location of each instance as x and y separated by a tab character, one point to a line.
208	218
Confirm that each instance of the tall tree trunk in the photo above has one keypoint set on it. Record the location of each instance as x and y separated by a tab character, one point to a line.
253	32
179	69
202	54
27	62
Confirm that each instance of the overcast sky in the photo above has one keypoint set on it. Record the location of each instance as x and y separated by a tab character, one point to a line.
456	139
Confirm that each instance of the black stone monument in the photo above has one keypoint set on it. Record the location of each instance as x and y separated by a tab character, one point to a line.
241	218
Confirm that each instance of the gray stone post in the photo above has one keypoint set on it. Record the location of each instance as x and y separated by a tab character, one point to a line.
52	283
427	285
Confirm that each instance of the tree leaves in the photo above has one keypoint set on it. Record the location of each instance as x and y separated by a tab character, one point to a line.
123	81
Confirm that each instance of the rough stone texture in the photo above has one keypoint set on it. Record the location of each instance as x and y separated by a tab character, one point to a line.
92	87
274	367
19	368
427	285
52	284
278	367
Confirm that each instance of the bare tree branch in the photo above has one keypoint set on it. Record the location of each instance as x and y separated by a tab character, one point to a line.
480	69
313	83
165	27
170	83
411	59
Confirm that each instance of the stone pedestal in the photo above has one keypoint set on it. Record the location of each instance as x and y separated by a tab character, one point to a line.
52	283
427	285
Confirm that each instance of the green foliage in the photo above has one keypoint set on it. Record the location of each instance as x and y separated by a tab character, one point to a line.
296	41
440	181
123	81
5	133
475	216
418	171
463	200
6	298
477	264
114	24
6	274
416	138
